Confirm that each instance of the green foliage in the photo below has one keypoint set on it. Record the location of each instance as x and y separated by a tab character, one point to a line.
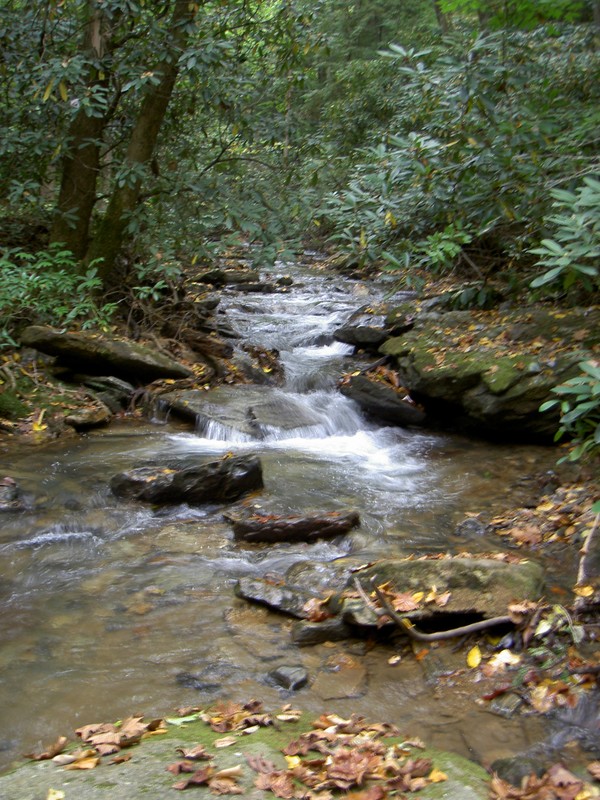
579	405
572	255
480	135
45	287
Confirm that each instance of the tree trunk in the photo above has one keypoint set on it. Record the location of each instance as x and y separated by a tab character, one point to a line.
110	236
441	17
81	161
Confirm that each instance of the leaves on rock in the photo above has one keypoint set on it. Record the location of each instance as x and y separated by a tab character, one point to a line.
556	784
57	747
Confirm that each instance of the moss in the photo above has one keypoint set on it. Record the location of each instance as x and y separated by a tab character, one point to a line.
11	405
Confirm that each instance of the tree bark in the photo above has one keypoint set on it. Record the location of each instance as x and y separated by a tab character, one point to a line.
442	18
81	162
109	238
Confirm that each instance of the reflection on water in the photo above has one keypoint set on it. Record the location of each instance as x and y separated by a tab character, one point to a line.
111	608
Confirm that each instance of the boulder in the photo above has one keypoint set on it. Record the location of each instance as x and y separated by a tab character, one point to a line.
382	401
489	372
275	528
101	355
365	337
477	586
217	481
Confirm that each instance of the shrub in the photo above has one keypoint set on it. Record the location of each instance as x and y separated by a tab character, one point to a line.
580	411
573	254
45	287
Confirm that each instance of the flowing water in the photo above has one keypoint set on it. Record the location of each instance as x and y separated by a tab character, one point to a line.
111	608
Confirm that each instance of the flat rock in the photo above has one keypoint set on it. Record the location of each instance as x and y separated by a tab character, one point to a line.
252	411
279	597
482	586
102	355
145	775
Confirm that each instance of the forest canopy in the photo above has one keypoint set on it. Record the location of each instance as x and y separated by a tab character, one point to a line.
138	137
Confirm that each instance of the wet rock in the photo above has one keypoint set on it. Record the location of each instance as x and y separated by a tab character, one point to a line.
280	597
307	634
516	768
365	337
102	355
382	401
291	678
285	280
113	392
145	775
253	411
228	277
9	494
190	681
471	528
214	482
477	586
273	528
85	419
488	386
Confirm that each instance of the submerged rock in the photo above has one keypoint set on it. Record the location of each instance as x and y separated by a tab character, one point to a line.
216	481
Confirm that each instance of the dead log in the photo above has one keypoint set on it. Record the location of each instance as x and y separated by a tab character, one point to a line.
272	528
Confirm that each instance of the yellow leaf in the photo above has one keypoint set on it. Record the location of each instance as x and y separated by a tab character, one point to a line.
62	88
437	776
55	794
48	91
267	369
293	761
474	657
584	591
84	763
547	506
418	596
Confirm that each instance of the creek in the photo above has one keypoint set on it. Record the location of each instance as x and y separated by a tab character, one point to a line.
111	608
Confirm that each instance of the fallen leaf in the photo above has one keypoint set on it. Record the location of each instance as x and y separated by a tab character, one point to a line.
594	769
91	762
53	750
226	741
197	753
584	591
55	794
474	657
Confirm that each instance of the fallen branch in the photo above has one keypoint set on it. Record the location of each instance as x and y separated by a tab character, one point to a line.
408	627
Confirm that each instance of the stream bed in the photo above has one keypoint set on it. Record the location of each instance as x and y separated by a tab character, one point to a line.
111	608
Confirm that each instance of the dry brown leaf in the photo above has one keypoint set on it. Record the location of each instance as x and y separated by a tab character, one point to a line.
278	782
224	786
57	747
197	753
594	769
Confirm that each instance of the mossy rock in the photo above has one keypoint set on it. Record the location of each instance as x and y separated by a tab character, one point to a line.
145	774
